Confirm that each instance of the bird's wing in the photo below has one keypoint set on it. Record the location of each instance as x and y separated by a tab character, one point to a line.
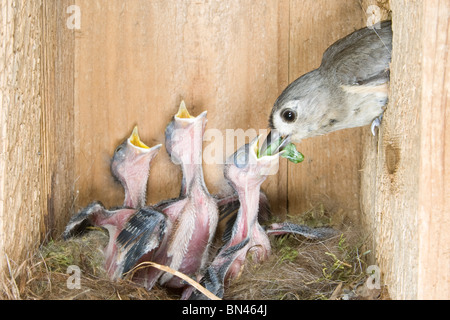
143	233
305	231
216	273
165	203
361	58
86	217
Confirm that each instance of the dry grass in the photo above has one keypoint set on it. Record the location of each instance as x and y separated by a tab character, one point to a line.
297	269
45	276
301	269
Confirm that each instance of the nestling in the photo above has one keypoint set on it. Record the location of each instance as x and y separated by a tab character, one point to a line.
191	218
130	165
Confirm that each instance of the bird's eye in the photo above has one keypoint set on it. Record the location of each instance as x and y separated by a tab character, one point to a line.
118	149
241	159
289	115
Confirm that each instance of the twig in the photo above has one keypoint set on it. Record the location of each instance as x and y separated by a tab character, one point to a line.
178	274
15	289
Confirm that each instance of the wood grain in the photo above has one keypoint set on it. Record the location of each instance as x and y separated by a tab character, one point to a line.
405	171
434	181
330	172
57	125
20	116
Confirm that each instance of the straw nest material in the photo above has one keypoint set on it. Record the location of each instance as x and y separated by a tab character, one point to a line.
297	269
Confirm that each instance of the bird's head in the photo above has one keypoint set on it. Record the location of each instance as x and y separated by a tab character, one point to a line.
302	110
247	168
183	132
131	162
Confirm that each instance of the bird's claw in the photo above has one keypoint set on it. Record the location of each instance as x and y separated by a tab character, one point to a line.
376	124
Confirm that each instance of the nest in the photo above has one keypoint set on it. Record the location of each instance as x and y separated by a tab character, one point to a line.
298	269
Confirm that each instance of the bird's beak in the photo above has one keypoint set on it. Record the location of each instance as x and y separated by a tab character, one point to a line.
268	164
184	116
135	141
183	113
273	143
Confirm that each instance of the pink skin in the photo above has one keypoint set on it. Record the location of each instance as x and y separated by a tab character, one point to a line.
193	216
114	224
131	166
113	221
246	181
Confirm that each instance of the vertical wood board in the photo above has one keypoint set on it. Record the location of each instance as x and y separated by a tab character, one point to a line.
434	181
330	173
391	161
20	115
57	125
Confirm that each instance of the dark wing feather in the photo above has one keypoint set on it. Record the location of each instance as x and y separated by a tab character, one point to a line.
84	218
143	233
214	278
305	231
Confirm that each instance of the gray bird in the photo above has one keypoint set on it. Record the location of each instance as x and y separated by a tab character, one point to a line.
349	89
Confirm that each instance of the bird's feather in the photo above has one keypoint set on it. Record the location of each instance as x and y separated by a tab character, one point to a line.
362	58
143	233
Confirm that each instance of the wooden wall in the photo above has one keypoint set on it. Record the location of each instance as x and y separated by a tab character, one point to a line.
405	175
36	121
57	125
330	174
20	114
434	181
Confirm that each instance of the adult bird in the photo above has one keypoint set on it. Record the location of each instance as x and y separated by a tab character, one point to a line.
349	89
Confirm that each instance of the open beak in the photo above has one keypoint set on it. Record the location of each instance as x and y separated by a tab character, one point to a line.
136	142
183	114
267	164
273	143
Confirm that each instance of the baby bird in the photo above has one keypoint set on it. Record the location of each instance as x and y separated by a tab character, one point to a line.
130	166
349	89
245	172
192	217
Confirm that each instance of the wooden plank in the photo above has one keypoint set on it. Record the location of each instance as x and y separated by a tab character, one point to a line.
57	127
391	162
330	173
20	115
136	60
434	181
